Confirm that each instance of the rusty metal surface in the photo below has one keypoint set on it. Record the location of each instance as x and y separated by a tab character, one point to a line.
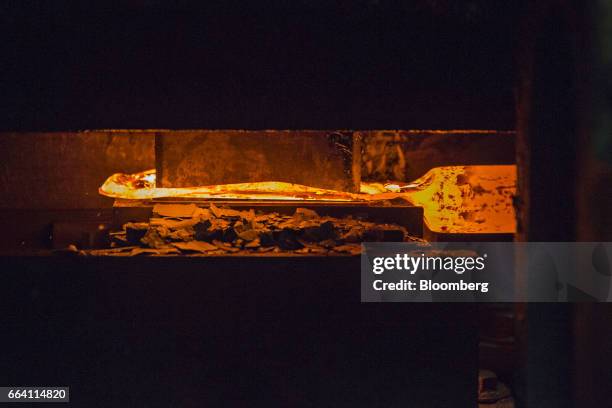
30	231
198	158
405	155
407	216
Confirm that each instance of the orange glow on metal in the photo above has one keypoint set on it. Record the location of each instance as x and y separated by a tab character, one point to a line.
466	199
455	199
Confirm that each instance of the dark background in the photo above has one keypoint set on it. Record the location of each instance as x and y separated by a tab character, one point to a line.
228	332
296	64
275	64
